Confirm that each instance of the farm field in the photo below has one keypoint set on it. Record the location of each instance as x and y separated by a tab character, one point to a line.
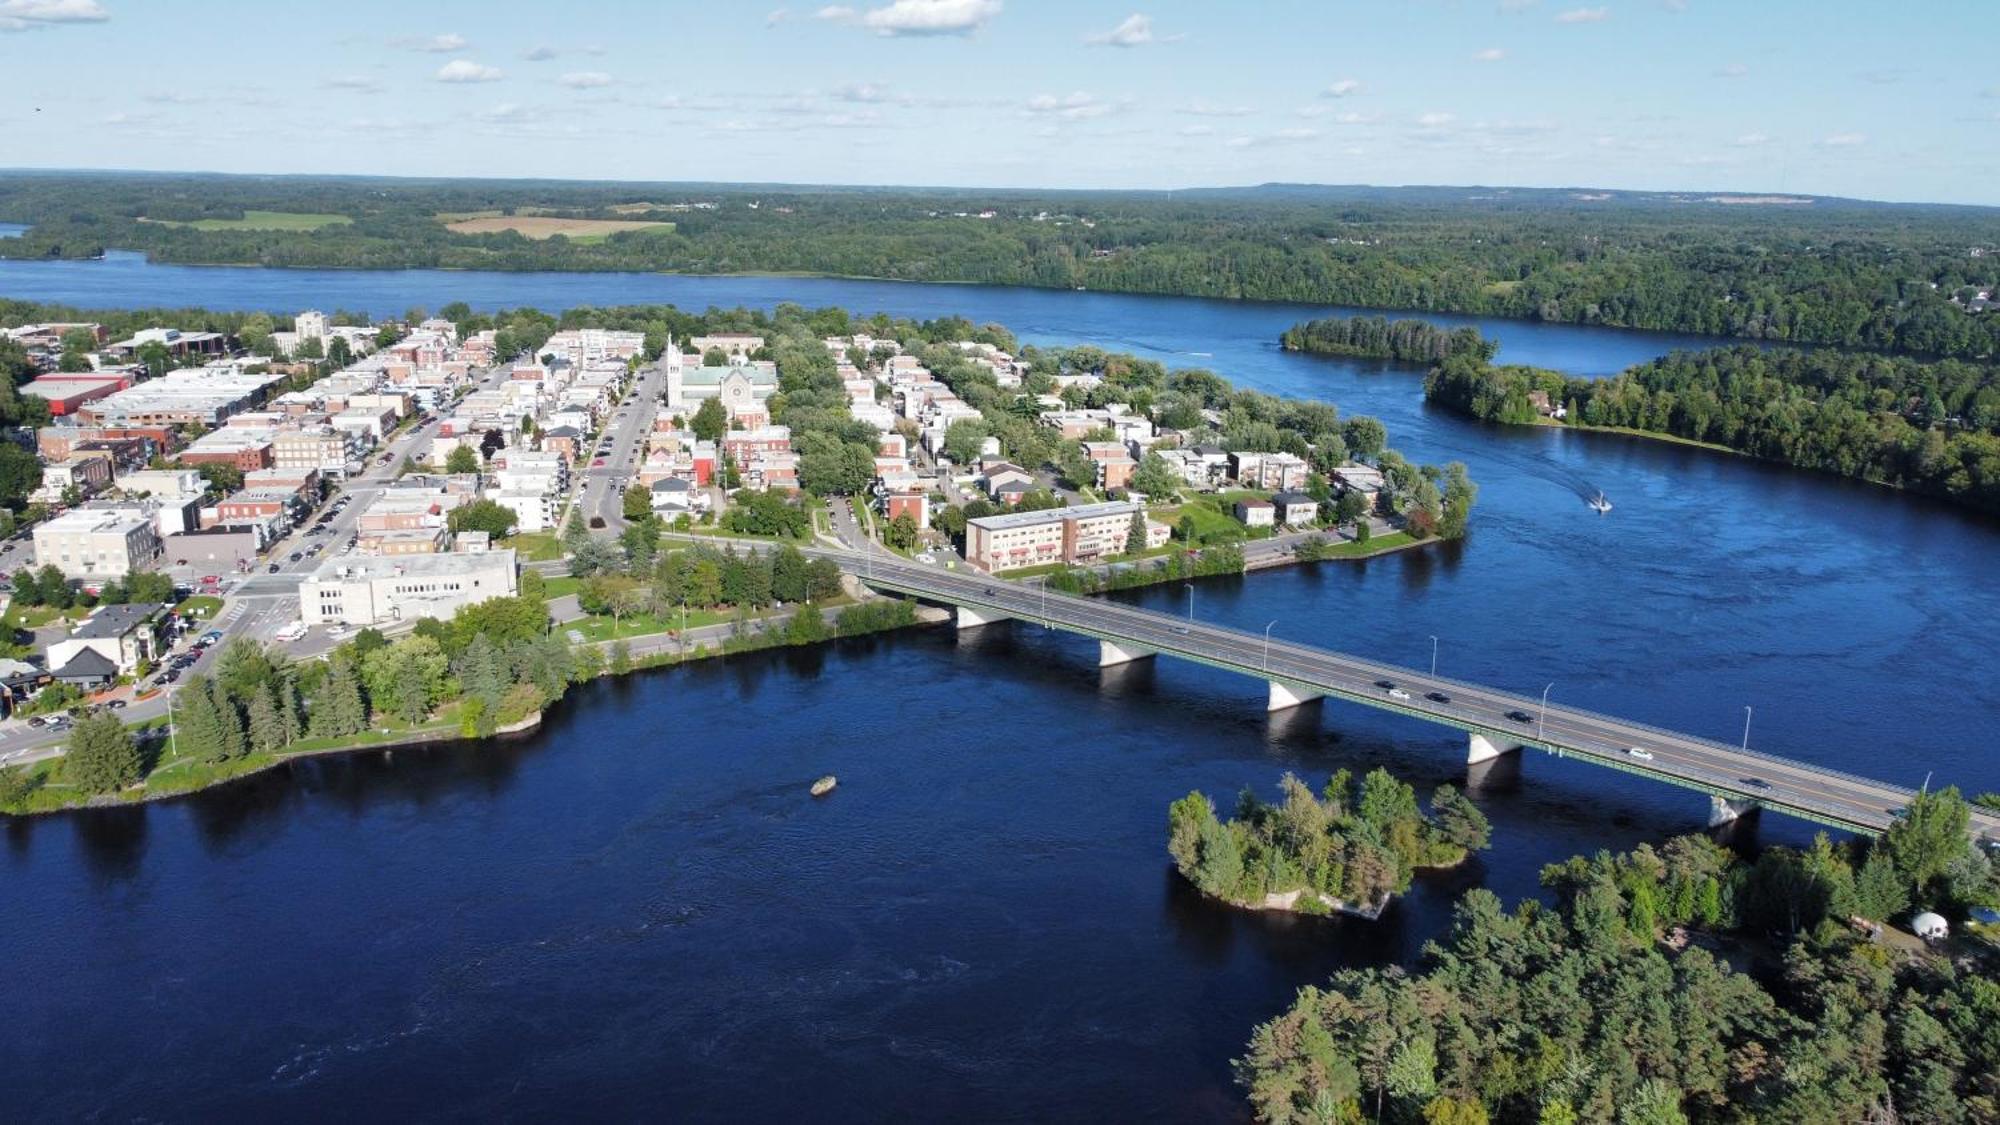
262	220
548	226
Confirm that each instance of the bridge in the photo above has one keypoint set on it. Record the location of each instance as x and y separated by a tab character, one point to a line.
1737	780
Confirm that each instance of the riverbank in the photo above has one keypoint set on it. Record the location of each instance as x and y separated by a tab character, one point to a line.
37	789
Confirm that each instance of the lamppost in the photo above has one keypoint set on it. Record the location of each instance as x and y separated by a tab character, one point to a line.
1434	657
1746	730
1190	590
1267	646
684	630
1542	719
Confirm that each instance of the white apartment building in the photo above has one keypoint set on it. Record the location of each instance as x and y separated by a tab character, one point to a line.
98	543
375	591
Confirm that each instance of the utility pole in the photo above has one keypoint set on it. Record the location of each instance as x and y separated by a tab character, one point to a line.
1746	729
1542	720
1267	647
1434	657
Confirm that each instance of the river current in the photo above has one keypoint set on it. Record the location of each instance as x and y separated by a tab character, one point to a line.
638	911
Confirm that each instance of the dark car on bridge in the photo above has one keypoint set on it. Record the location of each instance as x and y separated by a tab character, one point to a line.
1437	697
1520	716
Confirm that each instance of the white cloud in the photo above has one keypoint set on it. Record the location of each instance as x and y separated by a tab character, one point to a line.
541	53
1199	108
1752	140
1845	140
465	70
586	80
1346	87
862	92
917	17
1281	137
1490	54
1075	107
777	16
32	15
361	83
1436	120
1584	15
1731	70
1135	31
439	44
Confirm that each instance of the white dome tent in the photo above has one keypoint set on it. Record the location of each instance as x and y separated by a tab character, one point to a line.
1929	926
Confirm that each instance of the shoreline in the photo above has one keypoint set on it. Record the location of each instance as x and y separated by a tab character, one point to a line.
440	731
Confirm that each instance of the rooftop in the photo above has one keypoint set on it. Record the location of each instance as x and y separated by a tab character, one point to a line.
116	620
1077	512
359	568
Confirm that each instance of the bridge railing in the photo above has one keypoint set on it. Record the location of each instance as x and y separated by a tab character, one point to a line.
1295	651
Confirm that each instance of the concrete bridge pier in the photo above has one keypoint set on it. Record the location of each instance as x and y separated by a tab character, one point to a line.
1722	810
1486	747
1110	653
1286	696
973	618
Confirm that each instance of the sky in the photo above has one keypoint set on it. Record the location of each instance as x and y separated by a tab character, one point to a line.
1833	97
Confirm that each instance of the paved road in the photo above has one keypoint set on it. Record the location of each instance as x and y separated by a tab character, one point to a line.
598	493
1725	771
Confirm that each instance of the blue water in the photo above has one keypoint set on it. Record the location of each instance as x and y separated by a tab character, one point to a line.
638	912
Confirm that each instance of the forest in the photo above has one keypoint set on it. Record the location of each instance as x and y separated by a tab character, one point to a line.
1825	271
1350	846
1375	337
1621	998
1929	427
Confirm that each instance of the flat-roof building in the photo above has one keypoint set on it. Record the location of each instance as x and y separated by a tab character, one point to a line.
374	591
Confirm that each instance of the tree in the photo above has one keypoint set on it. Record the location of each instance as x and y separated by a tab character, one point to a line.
102	756
1156	478
338	709
1365	437
489	516
1135	535
27	587
339	353
1927	837
407	678
963	439
207	726
462	459
54	587
638	502
901	532
710	420
267	730
20	472
621	657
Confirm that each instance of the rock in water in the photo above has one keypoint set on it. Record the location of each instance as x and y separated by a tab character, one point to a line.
824	786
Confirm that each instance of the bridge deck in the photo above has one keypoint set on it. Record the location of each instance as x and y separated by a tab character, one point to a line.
1815	793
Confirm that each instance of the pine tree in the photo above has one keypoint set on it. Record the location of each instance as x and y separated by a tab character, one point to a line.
1135	536
198	722
621	658
289	711
267	726
229	718
102	756
479	670
337	708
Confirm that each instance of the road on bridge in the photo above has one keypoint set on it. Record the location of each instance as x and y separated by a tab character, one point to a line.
1725	771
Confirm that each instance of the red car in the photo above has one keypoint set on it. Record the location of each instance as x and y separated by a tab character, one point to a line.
597	464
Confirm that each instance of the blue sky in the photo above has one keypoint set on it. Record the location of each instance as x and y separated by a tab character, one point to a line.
1864	99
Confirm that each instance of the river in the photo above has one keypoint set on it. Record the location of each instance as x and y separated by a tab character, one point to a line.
637	911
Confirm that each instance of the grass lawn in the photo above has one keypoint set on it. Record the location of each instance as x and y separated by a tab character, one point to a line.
1209	522
535	546
548	226
1348	549
560	586
36	616
264	220
200	606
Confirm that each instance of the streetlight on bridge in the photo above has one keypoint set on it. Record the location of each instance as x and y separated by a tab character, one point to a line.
1190	590
1434	656
1267	646
1542	719
1746	729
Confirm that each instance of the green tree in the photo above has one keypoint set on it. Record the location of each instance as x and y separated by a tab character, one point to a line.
55	588
963	438
407	678
710	420
266	727
338	709
102	756
1135	535
1156	478
621	657
1931	833
490	516
462	459
638	502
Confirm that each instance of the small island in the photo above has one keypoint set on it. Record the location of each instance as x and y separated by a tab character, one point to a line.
1348	849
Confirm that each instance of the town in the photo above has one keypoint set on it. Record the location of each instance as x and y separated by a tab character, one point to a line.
294	488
